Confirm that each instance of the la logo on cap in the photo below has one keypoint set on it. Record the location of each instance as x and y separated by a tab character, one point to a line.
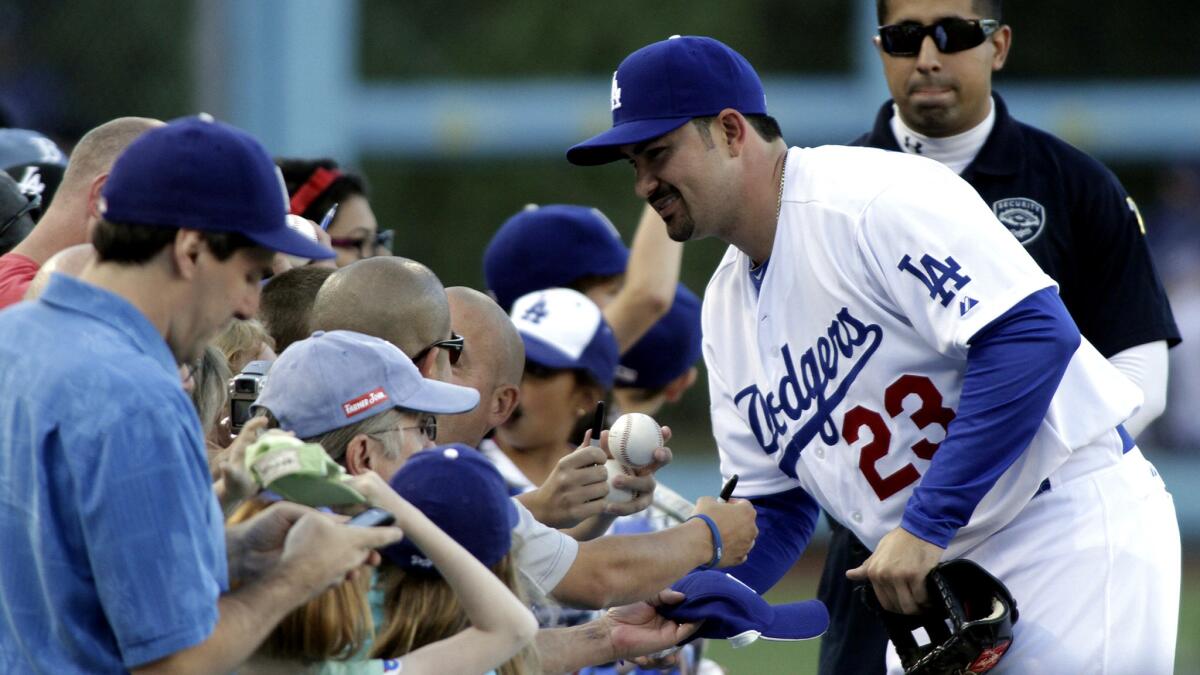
616	92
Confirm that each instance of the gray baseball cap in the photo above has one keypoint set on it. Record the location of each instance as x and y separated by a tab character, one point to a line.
337	378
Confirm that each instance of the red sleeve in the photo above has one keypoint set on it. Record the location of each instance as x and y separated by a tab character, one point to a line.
16	271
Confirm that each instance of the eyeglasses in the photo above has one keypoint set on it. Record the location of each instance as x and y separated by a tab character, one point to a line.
35	202
426	424
949	35
366	245
454	348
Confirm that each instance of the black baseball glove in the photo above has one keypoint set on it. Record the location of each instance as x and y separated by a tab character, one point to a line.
969	621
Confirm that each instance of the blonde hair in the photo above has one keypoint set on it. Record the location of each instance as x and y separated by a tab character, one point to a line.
421	608
241	341
332	626
211	390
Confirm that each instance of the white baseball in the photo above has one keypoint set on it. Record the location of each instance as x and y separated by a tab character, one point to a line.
633	438
617	495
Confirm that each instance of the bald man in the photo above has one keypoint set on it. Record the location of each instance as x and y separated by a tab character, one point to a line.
396	299
69	219
69	261
493	365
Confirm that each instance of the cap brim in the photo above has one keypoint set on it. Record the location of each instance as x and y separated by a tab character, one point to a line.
605	147
544	354
797	621
441	398
287	240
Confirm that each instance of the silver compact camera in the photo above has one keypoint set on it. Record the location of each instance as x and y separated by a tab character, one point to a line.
244	389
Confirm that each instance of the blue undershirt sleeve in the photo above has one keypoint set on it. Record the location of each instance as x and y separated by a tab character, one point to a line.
1014	366
785	524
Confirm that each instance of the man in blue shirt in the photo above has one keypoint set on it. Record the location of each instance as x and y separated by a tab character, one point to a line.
116	557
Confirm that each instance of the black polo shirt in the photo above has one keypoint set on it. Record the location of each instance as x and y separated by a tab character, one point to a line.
1076	220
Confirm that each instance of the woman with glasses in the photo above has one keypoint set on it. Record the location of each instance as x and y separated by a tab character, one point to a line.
315	185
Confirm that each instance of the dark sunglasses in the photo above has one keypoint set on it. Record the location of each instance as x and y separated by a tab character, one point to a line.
35	201
453	346
382	239
949	35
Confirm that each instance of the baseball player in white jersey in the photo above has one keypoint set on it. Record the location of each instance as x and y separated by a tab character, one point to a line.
880	346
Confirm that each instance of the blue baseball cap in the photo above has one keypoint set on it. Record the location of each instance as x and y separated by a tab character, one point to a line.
564	330
551	246
731	610
476	511
668	349
661	86
337	378
200	174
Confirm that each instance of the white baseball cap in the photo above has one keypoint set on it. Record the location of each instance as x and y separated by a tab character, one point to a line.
563	329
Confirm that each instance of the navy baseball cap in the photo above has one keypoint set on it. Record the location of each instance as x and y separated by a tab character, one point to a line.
34	161
668	349
334	379
564	330
200	174
551	246
731	610
661	86
476	512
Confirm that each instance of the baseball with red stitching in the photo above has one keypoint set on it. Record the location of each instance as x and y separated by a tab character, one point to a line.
633	438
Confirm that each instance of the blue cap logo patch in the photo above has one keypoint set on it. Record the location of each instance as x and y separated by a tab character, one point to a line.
1022	216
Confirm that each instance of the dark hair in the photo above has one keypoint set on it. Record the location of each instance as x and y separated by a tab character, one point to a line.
988	9
765	125
587	282
286	305
136	244
297	172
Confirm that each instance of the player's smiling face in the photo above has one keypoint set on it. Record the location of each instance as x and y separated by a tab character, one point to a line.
942	94
683	175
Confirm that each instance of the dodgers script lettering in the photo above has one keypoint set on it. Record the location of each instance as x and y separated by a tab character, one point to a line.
814	385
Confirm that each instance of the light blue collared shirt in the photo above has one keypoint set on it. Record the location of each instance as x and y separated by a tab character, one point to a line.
112	546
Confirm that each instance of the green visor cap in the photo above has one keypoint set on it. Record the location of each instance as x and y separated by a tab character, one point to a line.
299	472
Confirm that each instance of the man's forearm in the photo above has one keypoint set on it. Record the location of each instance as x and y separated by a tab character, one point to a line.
565	650
621	569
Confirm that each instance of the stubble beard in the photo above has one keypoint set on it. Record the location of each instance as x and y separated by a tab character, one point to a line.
681	228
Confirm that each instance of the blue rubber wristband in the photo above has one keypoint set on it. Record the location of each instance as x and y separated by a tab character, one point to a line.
718	547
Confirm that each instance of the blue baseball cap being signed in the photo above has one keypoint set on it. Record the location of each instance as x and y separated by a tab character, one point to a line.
728	609
200	174
662	86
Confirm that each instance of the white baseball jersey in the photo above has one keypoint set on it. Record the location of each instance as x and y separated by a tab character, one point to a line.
842	374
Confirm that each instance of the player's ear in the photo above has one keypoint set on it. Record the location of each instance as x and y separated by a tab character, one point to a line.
732	128
1002	42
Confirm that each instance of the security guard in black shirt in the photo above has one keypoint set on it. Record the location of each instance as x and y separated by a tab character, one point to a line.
1071	213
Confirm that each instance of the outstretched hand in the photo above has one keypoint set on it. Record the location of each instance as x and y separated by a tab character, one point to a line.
234	483
639	630
642	482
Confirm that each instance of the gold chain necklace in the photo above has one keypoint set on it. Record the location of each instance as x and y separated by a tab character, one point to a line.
782	181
